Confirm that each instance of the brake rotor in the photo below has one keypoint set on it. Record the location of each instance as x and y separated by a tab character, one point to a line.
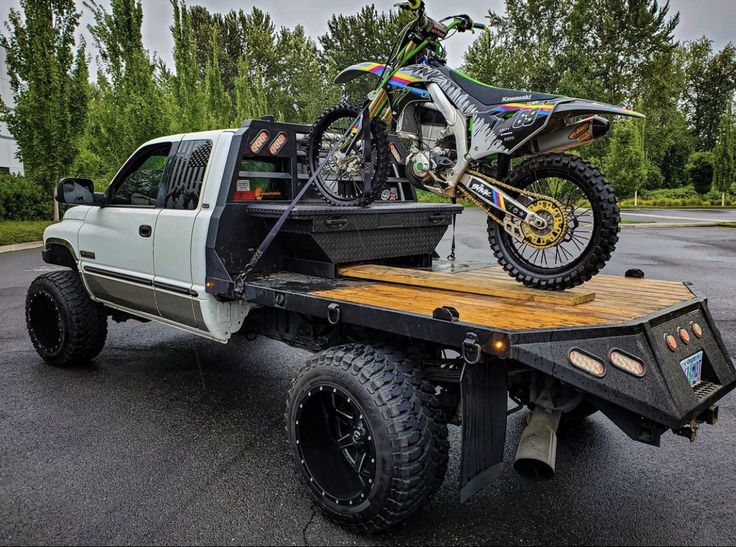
554	232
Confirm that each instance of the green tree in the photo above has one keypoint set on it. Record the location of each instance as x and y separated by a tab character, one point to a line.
711	80
626	163
250	93
186	97
132	106
217	101
49	85
724	168
591	48
301	91
700	171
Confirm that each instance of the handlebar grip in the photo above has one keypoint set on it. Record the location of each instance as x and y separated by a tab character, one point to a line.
481	26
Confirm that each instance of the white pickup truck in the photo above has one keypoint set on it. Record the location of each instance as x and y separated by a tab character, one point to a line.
406	344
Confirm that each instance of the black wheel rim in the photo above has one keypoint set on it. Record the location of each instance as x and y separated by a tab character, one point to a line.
583	223
46	323
335	445
342	176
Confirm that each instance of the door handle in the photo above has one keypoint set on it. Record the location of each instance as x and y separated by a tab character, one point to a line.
145	230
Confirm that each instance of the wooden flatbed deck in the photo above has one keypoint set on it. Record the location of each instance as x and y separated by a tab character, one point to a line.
487	296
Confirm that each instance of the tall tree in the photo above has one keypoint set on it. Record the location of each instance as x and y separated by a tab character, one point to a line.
217	101
711	80
133	109
301	89
724	166
49	85
626	162
250	93
187	98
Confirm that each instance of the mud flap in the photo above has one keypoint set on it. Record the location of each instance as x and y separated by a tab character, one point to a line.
484	397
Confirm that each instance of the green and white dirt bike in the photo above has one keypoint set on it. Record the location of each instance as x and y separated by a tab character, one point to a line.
553	220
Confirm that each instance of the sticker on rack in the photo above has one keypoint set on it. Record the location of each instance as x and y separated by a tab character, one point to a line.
243	186
693	368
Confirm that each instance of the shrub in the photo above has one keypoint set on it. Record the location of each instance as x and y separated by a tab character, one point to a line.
22	199
700	171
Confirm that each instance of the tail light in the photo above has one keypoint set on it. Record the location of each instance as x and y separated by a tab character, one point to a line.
277	144
627	363
259	142
587	362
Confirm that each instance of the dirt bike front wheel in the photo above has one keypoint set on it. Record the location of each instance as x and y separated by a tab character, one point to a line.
341	180
589	215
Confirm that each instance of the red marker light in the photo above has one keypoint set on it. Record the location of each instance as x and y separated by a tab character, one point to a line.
697	329
684	335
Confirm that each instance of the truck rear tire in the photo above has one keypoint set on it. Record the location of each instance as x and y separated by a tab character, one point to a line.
369	442
65	325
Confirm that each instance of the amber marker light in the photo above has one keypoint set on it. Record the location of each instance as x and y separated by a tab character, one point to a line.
259	142
684	335
587	363
277	144
697	329
671	341
209	284
499	346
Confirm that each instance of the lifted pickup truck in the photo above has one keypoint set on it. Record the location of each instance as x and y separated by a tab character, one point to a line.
405	343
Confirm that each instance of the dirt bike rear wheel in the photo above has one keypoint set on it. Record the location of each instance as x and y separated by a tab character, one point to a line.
341	181
590	238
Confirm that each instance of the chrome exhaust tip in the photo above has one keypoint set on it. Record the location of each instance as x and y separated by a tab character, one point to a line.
537	452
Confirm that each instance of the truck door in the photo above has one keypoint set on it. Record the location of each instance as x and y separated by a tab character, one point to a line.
116	241
172	250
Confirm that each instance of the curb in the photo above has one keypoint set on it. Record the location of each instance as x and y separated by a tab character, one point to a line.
20	247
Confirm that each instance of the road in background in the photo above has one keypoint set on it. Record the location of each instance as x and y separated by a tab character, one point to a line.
169	438
680	216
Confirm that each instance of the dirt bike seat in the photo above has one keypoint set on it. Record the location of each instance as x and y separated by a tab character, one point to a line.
488	95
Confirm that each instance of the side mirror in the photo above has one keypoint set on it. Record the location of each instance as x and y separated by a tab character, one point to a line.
76	191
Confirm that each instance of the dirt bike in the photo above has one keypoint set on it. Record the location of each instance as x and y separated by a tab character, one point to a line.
553	220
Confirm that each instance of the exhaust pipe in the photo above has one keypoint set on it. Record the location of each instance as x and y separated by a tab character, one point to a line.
571	135
535	457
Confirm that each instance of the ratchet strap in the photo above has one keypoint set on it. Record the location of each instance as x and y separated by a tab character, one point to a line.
273	232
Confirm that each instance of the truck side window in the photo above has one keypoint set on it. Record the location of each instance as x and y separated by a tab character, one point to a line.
141	178
187	173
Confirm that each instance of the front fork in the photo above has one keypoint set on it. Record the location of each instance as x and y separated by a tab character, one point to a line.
504	203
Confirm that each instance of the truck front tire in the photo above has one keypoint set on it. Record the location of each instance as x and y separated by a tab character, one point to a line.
368	441
66	327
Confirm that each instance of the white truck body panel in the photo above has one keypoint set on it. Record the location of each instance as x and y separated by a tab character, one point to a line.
160	277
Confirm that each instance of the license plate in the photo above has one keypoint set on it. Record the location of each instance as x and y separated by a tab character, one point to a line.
693	367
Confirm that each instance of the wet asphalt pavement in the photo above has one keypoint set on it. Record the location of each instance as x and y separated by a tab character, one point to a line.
169	438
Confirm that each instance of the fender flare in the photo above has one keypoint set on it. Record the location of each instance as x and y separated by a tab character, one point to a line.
60	252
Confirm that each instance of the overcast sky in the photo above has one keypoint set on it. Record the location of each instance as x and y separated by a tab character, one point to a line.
713	18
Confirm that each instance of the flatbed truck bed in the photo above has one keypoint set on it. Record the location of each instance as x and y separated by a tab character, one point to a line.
405	343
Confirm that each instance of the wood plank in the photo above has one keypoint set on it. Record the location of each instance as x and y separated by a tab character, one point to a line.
466	282
617	299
